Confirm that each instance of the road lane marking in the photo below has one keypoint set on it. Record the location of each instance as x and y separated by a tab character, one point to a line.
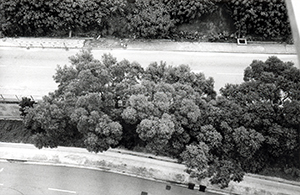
1	184
60	190
1	170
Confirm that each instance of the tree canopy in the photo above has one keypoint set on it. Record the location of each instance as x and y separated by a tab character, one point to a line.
266	19
266	122
175	112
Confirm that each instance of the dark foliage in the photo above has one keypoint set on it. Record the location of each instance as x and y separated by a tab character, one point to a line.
172	111
24	104
138	19
263	18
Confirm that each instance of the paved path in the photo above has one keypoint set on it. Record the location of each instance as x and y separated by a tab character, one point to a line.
42	43
214	47
154	45
142	166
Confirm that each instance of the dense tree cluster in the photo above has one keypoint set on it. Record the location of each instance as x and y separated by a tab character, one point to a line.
267	119
266	18
137	18
172	111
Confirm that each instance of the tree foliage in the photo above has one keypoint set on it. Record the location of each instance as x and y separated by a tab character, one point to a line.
251	127
140	18
175	112
24	104
262	127
149	19
40	18
184	11
265	18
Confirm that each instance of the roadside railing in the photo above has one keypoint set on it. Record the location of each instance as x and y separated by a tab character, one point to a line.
8	98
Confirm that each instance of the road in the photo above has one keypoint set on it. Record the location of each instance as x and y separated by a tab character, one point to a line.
29	72
29	179
41	178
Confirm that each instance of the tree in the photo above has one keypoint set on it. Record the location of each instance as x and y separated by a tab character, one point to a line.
156	132
268	98
265	18
99	131
201	164
184	11
58	17
85	104
196	158
167	110
251	127
167	91
24	104
50	125
149	19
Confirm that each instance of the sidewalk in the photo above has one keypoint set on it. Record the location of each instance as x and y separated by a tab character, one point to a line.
265	48
141	165
160	45
42	43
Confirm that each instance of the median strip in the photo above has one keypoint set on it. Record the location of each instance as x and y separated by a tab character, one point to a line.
60	190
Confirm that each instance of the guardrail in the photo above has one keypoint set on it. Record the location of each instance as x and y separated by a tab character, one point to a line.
7	98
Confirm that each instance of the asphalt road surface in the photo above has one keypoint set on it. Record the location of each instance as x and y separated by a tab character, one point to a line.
27	179
29	72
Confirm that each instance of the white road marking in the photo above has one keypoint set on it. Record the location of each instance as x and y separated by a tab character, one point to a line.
60	190
1	170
